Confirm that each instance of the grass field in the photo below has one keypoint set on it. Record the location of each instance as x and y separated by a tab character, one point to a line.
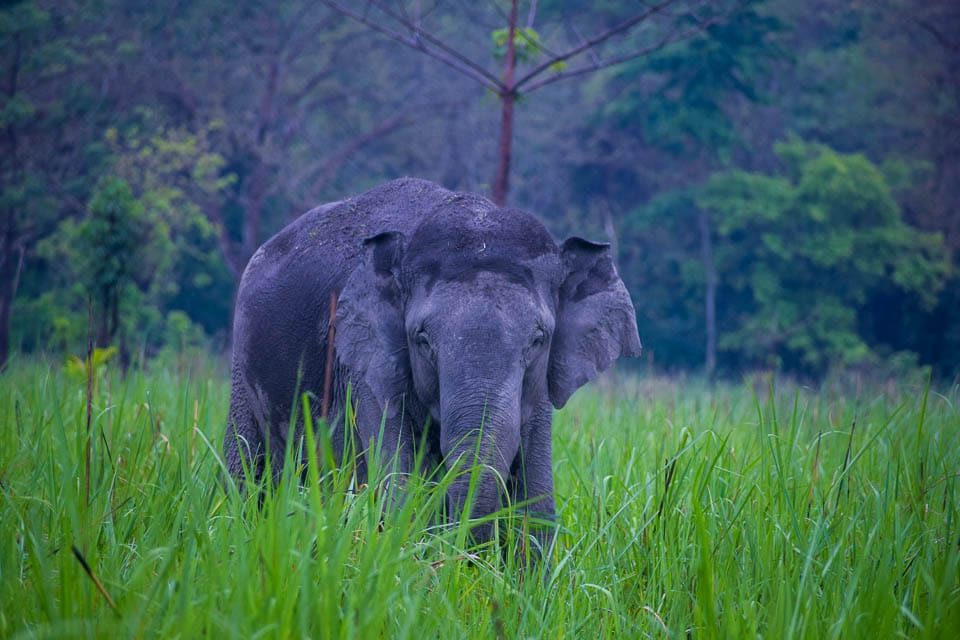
750	510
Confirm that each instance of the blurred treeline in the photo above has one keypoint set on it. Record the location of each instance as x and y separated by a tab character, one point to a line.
780	187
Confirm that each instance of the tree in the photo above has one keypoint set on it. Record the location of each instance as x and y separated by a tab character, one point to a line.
262	87
528	63
269	76
689	107
176	174
802	253
108	242
883	79
144	252
227	119
662	264
52	104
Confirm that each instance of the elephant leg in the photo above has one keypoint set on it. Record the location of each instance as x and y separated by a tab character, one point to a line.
532	479
386	446
243	443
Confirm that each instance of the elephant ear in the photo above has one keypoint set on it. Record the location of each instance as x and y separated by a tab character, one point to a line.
596	322
369	339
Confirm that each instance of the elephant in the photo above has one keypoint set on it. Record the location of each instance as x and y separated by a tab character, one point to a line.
459	326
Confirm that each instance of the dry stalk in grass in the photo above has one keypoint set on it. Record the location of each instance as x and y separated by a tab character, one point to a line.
328	370
96	580
86	466
815	473
846	462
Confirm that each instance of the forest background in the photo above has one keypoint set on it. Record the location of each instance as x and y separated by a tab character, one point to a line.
778	178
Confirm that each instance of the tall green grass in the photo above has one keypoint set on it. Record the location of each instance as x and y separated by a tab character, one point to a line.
741	511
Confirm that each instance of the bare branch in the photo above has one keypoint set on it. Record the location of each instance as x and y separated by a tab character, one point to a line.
422	41
624	26
311	84
228	247
320	177
295	47
266	111
333	164
338	50
419	34
579	36
610	62
939	35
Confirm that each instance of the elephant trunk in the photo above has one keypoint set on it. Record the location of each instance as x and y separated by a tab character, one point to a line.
480	432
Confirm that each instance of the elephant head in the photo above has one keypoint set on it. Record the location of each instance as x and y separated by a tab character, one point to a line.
481	323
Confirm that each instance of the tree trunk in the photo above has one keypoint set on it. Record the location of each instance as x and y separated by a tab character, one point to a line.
103	325
256	191
6	301
710	297
508	96
9	281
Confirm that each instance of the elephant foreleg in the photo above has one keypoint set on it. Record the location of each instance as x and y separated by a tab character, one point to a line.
532	485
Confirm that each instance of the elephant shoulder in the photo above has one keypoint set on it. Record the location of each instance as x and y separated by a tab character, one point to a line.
400	205
318	250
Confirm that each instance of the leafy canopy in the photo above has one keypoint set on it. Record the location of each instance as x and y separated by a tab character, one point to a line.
798	255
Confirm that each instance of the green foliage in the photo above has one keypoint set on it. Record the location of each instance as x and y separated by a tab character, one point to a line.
109	238
810	248
16	111
26	36
146	249
661	264
22	18
227	119
798	256
184	341
527	45
76	368
111	256
736	512
696	83
52	110
180	176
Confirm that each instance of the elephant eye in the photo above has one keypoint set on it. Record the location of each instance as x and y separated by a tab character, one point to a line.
422	341
539	338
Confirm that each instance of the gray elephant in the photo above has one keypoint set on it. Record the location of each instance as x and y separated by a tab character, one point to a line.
459	326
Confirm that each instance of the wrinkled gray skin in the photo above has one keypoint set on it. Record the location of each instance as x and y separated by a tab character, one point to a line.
453	314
